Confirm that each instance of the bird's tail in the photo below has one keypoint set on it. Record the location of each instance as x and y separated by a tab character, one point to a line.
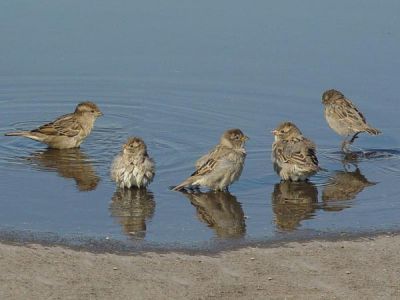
18	133
28	134
372	131
182	185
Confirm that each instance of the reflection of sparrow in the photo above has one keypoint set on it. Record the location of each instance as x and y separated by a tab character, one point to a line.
68	163
133	167
293	155
293	202
67	131
344	118
222	165
345	186
132	207
221	211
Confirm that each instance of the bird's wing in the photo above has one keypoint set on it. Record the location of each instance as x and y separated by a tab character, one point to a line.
202	160
66	125
346	110
209	162
298	152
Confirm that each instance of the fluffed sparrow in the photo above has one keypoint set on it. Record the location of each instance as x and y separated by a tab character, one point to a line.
293	155
67	131
221	211
344	117
221	166
133	167
132	208
293	202
68	163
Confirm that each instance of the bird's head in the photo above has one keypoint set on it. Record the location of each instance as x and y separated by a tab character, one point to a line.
286	131
234	138
134	145
331	95
89	109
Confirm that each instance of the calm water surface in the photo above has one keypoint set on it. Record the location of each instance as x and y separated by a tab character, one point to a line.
178	80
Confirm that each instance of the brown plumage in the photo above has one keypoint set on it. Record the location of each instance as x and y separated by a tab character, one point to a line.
344	117
221	166
133	167
67	131
293	155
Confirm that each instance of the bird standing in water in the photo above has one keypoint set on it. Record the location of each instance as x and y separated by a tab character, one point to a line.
293	155
133	167
67	131
344	117
220	167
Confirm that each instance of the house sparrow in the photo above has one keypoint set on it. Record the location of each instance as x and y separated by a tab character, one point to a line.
133	167
344	118
67	131
68	163
221	166
132	208
293	155
221	211
293	202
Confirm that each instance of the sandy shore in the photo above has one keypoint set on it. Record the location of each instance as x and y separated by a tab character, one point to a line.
359	269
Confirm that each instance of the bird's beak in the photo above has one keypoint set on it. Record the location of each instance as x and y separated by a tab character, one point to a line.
99	114
245	138
274	132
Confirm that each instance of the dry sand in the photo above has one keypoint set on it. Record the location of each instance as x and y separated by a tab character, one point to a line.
359	269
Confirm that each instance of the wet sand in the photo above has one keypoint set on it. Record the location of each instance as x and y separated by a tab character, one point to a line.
367	268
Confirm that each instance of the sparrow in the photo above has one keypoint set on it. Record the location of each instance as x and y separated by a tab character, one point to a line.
221	166
132	208
293	155
344	117
220	211
67	131
133	167
293	202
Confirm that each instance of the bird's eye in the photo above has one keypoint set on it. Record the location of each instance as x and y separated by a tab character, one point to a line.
92	111
282	131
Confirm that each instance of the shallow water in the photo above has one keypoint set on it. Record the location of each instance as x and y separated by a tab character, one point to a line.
179	87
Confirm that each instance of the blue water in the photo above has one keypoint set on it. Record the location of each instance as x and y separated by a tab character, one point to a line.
178	74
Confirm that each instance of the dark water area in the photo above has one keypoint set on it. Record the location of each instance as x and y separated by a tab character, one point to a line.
178	75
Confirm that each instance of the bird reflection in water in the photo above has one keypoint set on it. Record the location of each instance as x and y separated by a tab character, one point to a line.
293	202
132	208
342	187
220	211
68	163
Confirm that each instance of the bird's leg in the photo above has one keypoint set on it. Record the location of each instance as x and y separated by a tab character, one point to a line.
354	138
